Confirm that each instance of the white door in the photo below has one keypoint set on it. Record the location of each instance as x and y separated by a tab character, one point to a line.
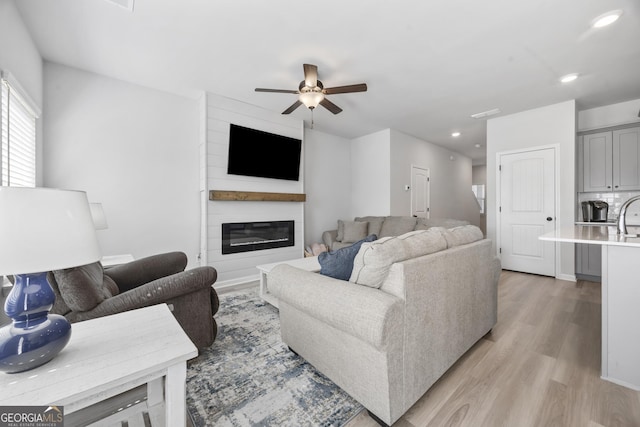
527	210
419	192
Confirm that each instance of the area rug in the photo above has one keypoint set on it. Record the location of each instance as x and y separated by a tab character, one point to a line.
248	377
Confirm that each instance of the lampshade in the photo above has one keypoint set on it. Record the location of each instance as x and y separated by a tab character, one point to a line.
43	229
98	216
311	99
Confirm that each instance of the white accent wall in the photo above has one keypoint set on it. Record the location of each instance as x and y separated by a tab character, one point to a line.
450	179
20	56
131	148
240	267
327	182
381	167
553	124
371	174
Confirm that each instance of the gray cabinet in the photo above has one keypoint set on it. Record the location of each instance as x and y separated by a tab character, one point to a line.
610	161
589	261
626	159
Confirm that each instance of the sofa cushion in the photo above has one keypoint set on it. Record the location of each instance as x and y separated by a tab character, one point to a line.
375	223
373	261
461	235
427	223
339	263
84	287
397	225
354	231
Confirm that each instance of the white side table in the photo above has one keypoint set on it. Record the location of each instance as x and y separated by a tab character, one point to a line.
107	356
308	264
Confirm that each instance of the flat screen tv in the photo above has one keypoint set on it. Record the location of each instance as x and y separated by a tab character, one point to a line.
262	154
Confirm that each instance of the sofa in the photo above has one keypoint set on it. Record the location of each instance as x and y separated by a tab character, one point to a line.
349	232
91	291
414	304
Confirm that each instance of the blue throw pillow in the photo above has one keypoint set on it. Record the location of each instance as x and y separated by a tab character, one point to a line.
339	263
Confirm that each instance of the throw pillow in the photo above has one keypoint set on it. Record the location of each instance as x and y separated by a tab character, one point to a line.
354	231
373	261
59	306
375	223
340	235
82	288
339	263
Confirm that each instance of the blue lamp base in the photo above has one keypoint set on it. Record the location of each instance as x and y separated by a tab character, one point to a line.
35	336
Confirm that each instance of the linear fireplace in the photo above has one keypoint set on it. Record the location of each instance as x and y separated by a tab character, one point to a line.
255	236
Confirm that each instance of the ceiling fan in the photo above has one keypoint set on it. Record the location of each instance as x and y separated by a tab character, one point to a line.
311	91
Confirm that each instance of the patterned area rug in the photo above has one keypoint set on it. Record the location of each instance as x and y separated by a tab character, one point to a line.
248	377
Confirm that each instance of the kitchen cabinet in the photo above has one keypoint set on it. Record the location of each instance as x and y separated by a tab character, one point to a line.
589	261
610	160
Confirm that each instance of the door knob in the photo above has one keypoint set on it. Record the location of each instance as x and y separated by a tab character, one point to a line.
549	218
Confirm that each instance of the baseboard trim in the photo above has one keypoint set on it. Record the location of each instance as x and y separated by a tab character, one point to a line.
236	284
567	277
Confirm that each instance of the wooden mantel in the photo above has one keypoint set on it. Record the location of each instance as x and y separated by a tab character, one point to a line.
253	196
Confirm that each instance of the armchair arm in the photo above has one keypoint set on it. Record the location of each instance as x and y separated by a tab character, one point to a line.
144	270
366	313
156	292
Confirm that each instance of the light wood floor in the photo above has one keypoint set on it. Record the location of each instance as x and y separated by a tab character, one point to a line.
540	366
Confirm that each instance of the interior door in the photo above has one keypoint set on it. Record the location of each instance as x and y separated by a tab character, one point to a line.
419	192
527	210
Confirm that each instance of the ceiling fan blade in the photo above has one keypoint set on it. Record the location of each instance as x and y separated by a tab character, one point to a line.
293	107
310	75
330	106
362	87
260	89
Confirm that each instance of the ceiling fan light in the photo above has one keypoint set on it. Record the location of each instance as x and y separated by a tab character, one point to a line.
311	99
569	78
606	19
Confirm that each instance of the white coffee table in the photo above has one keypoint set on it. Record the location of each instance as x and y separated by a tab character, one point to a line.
308	264
108	356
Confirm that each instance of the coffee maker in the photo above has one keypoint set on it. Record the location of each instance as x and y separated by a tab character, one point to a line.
600	211
595	211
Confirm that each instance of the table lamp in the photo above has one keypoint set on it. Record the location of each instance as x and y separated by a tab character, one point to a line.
41	229
98	216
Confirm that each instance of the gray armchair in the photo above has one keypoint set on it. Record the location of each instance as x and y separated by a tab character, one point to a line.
91	291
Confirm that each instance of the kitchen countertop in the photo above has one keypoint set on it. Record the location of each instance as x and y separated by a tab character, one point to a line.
594	234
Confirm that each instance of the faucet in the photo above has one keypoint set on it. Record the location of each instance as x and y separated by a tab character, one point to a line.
622	222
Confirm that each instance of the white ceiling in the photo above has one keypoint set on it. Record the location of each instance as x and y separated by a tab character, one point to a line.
429	65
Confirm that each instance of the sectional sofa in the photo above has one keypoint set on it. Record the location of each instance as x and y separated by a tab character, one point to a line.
413	305
349	232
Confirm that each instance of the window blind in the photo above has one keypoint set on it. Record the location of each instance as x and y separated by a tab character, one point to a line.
18	132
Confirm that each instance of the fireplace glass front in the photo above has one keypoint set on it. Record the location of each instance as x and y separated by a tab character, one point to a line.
255	236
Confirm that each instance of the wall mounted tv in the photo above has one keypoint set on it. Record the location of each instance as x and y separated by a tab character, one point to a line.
262	154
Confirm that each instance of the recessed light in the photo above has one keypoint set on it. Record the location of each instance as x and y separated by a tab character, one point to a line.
606	19
477	145
455	134
569	78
